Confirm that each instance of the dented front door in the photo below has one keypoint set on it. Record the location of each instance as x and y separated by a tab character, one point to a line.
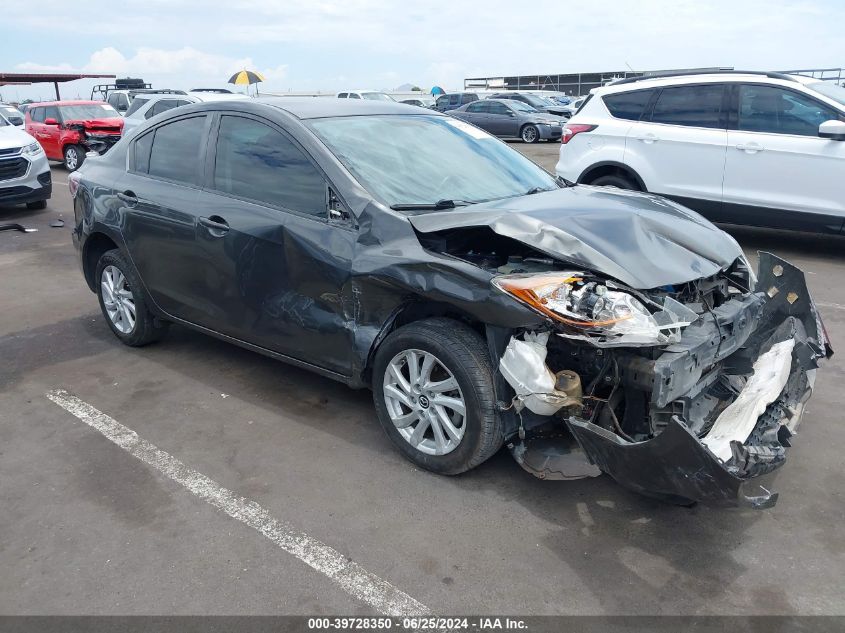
274	279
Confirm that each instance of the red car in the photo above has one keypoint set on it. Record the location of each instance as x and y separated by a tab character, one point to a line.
68	129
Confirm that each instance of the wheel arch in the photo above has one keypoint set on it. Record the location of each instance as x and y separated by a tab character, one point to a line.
609	167
95	246
411	312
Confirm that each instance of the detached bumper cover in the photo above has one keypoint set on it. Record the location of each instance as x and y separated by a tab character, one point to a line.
776	331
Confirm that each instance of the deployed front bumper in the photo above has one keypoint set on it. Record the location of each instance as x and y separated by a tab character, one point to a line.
773	339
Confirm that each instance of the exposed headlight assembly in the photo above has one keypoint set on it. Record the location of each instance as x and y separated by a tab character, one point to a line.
33	149
597	310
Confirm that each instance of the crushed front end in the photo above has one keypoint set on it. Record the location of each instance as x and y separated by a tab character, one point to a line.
97	139
686	393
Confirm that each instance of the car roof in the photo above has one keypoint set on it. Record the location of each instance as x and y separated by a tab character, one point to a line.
68	102
697	78
319	107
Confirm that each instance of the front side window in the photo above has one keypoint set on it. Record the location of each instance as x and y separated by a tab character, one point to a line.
522	107
779	111
628	105
175	152
258	162
693	106
51	112
420	159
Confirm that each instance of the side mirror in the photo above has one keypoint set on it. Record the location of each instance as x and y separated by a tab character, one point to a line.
50	121
833	129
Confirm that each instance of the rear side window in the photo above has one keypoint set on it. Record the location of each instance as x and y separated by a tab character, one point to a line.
258	162
468	98
478	106
163	105
175	152
628	105
779	111
37	115
137	104
142	152
693	106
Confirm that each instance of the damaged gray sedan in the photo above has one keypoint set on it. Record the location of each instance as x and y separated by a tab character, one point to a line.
485	302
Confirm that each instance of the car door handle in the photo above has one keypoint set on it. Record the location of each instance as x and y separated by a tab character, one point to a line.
751	148
128	197
648	138
216	225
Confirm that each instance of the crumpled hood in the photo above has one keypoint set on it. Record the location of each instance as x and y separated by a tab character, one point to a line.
98	124
642	240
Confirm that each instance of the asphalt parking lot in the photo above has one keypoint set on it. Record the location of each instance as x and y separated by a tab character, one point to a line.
88	528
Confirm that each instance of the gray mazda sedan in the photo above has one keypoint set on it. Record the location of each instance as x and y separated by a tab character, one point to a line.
483	301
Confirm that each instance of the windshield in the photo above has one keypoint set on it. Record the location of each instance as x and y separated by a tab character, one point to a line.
829	90
406	159
376	96
88	111
14	117
537	102
522	107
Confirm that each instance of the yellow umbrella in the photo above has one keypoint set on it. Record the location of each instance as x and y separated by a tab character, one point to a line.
246	78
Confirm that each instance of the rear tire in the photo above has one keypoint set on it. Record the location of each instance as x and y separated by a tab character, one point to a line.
122	301
38	205
462	361
74	156
615	180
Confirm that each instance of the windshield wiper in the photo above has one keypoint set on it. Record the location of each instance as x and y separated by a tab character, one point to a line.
436	206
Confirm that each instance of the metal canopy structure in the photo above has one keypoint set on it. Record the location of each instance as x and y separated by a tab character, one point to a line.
24	79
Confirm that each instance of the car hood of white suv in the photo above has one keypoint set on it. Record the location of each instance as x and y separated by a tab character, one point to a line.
13	137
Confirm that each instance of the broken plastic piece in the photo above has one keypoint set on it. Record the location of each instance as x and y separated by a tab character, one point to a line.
735	423
16	227
524	367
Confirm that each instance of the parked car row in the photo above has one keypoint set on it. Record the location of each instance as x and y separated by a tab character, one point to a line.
764	149
510	118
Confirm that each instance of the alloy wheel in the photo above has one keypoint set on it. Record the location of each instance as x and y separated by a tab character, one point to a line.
424	402
529	134
71	158
118	299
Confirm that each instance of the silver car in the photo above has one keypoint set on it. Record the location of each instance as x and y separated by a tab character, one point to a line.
146	106
24	171
511	119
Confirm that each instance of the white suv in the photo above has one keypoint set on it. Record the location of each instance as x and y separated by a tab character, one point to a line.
762	149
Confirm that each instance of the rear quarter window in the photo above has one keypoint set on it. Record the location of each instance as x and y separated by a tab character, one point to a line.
628	105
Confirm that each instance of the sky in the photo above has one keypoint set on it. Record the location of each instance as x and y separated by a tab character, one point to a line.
331	45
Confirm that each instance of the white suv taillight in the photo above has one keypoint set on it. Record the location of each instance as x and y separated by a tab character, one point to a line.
573	129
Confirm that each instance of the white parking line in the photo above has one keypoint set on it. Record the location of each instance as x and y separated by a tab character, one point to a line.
835	306
351	577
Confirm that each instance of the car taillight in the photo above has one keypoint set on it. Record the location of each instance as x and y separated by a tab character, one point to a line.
573	129
73	183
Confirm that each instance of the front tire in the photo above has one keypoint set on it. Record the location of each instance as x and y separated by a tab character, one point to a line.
122	302
530	134
433	387
74	157
615	180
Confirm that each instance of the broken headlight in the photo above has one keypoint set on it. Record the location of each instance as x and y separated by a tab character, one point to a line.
606	314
